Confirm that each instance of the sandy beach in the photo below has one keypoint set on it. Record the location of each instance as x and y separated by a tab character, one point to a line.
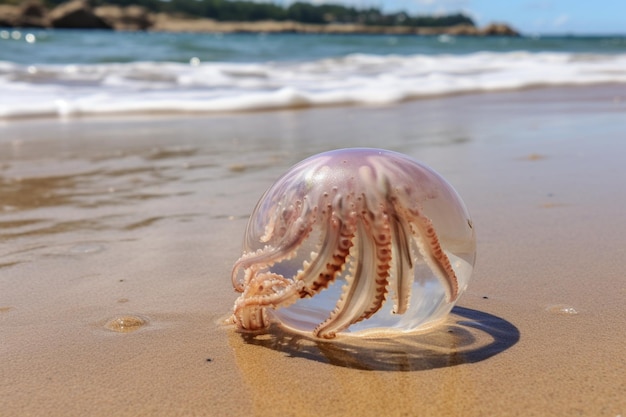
118	234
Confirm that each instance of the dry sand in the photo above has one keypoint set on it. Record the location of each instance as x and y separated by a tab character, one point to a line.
133	224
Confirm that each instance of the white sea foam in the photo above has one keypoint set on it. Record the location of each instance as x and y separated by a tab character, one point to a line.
144	87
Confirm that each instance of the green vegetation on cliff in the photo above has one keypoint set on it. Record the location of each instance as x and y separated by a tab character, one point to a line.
250	11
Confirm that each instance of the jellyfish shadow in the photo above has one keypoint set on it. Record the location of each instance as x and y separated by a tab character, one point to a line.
468	336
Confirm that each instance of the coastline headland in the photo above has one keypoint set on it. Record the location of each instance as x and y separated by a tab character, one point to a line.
80	14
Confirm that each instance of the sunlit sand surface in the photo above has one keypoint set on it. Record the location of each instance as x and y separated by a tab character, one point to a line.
117	238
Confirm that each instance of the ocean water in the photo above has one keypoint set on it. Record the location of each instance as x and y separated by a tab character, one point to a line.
57	73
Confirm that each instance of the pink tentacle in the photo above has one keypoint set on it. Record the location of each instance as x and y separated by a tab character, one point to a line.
430	247
366	287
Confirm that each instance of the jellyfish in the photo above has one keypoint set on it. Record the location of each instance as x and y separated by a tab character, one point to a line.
354	241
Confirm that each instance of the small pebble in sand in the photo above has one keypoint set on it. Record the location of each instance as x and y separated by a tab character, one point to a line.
126	324
535	157
87	248
237	167
562	309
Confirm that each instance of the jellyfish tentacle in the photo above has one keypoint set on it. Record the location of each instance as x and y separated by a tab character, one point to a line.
254	318
432	252
330	259
402	276
273	290
362	296
378	226
251	262
265	290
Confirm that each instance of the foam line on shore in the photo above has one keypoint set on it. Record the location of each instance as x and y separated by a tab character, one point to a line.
356	79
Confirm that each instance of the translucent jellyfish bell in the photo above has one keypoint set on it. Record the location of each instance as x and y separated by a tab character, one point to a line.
354	241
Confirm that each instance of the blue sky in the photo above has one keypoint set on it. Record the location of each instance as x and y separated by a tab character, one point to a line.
527	16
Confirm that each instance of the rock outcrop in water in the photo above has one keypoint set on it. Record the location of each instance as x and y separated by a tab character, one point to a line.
126	18
167	23
499	29
75	14
30	14
78	14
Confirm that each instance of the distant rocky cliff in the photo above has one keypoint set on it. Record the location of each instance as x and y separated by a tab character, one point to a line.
78	14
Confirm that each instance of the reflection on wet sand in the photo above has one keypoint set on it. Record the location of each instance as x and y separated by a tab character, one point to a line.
168	259
49	227
417	373
103	196
28	193
468	336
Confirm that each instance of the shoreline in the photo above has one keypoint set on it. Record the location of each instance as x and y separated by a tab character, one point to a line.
123	115
139	220
78	14
172	24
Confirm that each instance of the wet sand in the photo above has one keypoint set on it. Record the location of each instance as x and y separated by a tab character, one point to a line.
117	237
